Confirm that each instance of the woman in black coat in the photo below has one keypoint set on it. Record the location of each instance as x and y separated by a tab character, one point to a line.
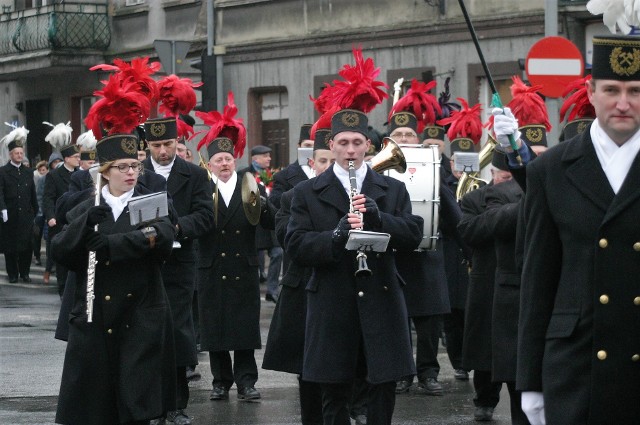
119	368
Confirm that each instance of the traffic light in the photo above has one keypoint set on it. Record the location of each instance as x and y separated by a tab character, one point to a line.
207	66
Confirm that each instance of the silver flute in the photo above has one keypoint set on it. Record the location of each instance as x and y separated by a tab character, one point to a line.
93	261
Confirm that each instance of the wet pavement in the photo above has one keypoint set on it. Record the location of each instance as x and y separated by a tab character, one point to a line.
31	366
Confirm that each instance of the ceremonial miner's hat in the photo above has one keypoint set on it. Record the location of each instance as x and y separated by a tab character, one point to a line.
582	112
320	132
417	109
305	133
499	158
157	129
435	131
177	98
117	146
226	132
60	138
528	107
87	143
465	128
616	57
16	137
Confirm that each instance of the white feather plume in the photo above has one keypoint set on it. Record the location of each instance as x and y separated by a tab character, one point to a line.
60	136
18	134
87	141
616	13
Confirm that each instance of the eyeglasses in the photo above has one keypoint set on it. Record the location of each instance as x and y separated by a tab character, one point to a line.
124	168
405	135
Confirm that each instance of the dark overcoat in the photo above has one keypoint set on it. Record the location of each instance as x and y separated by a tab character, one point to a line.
189	188
228	285
345	313
476	342
579	333
121	367
285	344
286	179
503	206
56	183
18	197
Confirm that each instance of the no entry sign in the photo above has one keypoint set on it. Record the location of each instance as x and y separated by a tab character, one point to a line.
553	62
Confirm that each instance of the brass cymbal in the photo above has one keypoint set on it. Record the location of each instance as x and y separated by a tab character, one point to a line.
251	198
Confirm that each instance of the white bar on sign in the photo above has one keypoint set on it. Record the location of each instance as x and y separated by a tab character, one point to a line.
538	66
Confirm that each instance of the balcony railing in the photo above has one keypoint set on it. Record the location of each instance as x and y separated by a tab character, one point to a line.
56	26
572	2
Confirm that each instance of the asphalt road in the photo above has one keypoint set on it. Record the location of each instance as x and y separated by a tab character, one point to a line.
31	366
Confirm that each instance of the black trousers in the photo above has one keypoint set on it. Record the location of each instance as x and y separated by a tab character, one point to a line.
244	371
182	388
454	330
515	398
18	263
487	392
381	399
427	340
310	402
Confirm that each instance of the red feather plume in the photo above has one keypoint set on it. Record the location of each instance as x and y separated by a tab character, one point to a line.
121	108
224	124
325	99
420	103
324	121
465	122
178	97
527	105
579	100
139	71
359	90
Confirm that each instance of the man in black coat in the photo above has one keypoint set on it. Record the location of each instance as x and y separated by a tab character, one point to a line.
56	183
578	335
189	187
356	326
18	206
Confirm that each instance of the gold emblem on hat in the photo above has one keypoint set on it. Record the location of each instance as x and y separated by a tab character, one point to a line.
327	138
401	120
350	119
225	145
433	132
624	62
18	143
129	145
534	135
92	155
158	129
465	144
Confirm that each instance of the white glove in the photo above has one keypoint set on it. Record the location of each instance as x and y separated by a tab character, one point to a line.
504	125
533	406
5	216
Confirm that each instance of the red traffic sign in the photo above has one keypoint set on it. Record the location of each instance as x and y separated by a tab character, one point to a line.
554	62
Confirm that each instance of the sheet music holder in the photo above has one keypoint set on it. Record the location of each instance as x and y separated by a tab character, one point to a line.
146	208
304	155
363	240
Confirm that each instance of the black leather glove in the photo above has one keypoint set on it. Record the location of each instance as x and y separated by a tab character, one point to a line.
341	232
97	214
371	217
96	241
264	206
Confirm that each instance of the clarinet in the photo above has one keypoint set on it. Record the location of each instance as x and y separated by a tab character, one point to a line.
363	268
93	261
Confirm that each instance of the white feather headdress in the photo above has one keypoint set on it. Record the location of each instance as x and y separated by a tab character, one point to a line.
87	141
60	136
622	14
18	134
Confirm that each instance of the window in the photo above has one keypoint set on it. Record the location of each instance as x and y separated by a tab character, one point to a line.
133	2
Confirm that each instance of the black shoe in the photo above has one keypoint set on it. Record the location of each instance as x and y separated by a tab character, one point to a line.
248	393
483	414
430	387
26	279
219	393
403	386
13	280
461	375
159	421
192	375
272	298
178	417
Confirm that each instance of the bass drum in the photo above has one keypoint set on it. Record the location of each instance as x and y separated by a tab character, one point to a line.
422	180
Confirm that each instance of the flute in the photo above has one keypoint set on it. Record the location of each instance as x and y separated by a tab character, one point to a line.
93	261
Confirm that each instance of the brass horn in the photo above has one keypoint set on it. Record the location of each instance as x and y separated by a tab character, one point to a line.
469	182
389	158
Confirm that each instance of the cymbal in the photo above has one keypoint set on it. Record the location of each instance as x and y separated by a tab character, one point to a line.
251	198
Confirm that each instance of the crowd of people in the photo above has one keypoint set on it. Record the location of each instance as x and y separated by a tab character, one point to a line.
528	283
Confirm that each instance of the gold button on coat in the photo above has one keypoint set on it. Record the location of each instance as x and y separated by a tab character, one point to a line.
223	255
604	299
636	246
361	294
129	295
603	243
107	298
109	331
224	278
635	357
636	300
602	354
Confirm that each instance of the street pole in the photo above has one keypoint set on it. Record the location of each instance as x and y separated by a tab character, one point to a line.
551	29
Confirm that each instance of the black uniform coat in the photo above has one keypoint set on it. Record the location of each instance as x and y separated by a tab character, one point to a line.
579	342
18	197
56	183
189	188
476	343
503	206
286	179
120	367
285	344
344	312
228	285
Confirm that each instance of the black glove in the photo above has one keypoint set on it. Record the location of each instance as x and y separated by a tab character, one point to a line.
97	214
371	217
96	241
264	206
341	232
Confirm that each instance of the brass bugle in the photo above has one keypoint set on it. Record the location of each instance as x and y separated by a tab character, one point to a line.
390	157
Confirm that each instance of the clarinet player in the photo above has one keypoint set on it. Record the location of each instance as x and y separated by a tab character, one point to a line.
120	367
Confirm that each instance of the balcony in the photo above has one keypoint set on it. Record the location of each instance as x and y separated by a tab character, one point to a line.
57	26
